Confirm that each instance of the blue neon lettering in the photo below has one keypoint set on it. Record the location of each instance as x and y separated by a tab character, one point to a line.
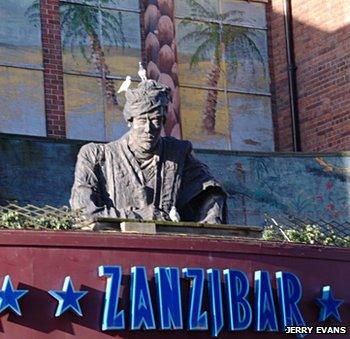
215	301
264	307
141	309
112	319
196	319
169	297
239	309
289	293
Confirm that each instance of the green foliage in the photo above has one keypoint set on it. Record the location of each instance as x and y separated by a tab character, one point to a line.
15	220
55	222
308	234
12	219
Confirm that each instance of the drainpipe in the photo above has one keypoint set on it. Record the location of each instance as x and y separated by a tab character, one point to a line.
292	80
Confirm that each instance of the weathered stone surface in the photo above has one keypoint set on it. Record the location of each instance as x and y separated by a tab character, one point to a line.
152	16
121	179
167	227
138	227
166	59
165	30
152	48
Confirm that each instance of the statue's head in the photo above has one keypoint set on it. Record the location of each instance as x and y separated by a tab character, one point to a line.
145	110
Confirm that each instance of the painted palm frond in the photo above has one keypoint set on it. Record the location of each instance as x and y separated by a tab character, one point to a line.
33	13
202	32
200	52
235	16
201	11
225	42
88	23
242	41
112	29
84	28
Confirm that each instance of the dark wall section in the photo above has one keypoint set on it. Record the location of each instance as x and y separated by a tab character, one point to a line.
40	171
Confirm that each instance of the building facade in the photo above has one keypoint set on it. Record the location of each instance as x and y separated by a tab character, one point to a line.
226	63
320	34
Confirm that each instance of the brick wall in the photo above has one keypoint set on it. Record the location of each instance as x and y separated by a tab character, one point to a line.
322	52
279	77
53	70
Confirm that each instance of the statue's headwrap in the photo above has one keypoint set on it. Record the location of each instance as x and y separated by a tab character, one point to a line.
148	96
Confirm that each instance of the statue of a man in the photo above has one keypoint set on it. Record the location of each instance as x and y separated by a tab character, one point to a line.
143	175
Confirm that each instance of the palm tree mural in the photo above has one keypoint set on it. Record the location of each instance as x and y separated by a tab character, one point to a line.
226	42
85	27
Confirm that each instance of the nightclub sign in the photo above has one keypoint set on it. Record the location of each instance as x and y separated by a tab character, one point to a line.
227	304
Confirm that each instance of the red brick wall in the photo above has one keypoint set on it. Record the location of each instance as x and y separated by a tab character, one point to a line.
279	77
53	70
322	52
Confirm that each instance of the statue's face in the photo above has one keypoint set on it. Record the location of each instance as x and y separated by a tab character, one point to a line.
146	128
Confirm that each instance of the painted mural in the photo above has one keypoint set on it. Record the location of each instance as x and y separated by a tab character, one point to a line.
211	53
21	77
223	73
100	42
305	186
161	55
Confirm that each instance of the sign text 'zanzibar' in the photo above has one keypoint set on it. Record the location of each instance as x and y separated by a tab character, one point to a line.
238	309
228	303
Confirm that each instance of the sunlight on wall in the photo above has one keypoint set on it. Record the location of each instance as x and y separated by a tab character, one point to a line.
326	16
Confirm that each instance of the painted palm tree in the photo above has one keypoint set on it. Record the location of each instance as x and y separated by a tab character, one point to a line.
224	40
84	27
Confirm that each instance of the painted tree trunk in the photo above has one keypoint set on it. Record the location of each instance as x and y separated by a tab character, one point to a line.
161	55
99	62
209	113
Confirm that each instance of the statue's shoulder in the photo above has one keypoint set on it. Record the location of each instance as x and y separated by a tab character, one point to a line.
184	146
93	152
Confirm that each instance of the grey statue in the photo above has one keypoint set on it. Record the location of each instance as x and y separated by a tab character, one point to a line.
144	175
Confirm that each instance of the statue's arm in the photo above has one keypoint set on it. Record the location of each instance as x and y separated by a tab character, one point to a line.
87	194
212	208
205	195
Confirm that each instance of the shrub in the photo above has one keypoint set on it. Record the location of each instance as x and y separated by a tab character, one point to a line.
307	234
15	220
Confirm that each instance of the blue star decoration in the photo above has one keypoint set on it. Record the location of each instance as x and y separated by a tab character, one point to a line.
328	304
68	298
9	297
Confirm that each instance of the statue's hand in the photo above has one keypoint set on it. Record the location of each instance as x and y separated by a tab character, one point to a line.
144	213
214	215
212	209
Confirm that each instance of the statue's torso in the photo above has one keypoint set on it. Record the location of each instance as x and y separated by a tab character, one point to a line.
132	188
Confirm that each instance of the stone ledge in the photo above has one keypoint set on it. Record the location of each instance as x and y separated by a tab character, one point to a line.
169	227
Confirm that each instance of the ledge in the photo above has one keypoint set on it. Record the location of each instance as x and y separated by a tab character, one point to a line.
79	143
190	244
169	227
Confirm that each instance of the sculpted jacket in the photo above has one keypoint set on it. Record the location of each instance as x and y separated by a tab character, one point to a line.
109	182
